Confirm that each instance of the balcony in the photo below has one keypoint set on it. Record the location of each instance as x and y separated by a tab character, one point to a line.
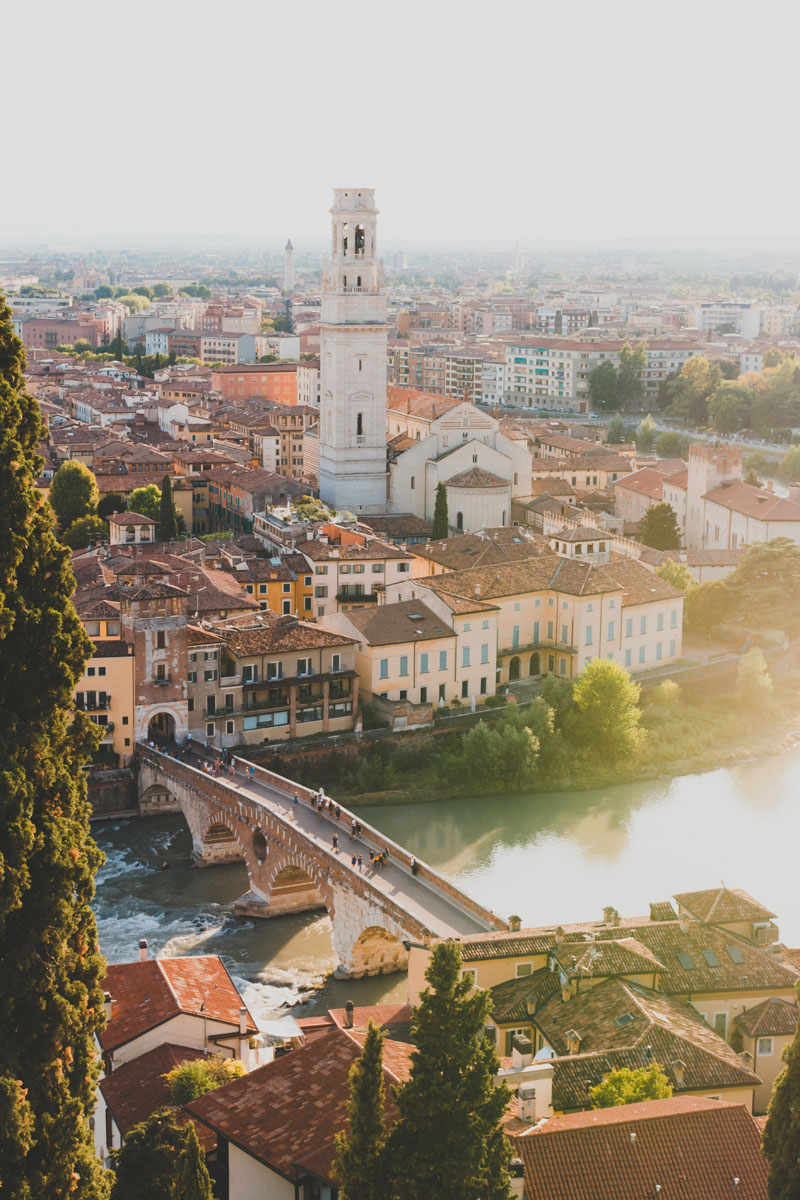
101	704
357	597
163	681
228	681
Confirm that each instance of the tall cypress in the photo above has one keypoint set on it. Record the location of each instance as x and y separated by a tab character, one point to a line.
449	1140
359	1164
50	968
441	518
168	522
781	1144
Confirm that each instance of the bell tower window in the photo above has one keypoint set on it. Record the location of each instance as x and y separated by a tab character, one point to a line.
360	239
344	238
360	425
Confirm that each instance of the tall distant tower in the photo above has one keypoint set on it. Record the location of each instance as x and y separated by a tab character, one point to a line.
352	444
288	267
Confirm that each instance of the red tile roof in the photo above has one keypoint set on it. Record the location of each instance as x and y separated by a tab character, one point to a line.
755	502
689	1147
146	994
720	906
772	1017
289	1111
137	1088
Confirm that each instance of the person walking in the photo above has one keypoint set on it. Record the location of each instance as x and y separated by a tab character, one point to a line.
251	772
335	842
360	863
353	862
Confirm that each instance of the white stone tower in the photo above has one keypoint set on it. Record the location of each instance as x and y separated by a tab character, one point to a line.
352	443
288	266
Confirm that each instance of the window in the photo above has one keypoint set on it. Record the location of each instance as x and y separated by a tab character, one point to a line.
589	635
523	969
464	689
190	705
336	662
192	677
321	592
627	658
721	1024
423	695
404	693
673	619
710	958
643	625
467	626
442	691
564	633
90	670
515	637
321	570
161	671
423	664
403	664
735	955
211	674
304	666
470	973
764	1047
484	624
536	633
483	685
274	670
377	568
384	669
686	960
442	660
465	656
629	627
161	640
485	653
641	654
229	726
210	729
101	670
413	483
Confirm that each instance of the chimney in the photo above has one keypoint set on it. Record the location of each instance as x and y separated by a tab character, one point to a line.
684	924
770	486
521	1051
530	1007
560	935
107	1005
242	1020
526	1102
143	950
514	923
678	1071
348	1014
573	1041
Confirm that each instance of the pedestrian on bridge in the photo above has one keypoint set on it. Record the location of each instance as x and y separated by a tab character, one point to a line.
360	863
231	769
338	812
251	772
335	842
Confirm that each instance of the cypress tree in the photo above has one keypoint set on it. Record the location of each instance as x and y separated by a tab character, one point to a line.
162	1160
781	1144
359	1164
168	523
449	1140
441	519
50	969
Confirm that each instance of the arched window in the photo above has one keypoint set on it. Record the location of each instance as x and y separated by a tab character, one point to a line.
344	238
413	482
459	520
358	281
360	424
344	281
516	477
360	239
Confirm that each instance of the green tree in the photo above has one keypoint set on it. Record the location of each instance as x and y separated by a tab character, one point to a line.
676	573
502	755
646	435
557	693
728	369
134	303
756	462
146	501
672	444
626	1086
86	532
119	347
603	388
706	606
167	517
161	1159
753	681
729	407
441	520
111	502
104	292
359	1164
616	434
606	719
449	1139
197	1076
50	994
632	361
73	493
764	590
781	1143
658	528
161	289
789	468
689	392
751	476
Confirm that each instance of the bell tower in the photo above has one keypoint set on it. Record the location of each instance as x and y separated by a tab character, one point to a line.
352	445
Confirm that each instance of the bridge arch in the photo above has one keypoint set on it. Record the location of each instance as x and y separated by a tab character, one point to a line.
221	844
377	951
294	885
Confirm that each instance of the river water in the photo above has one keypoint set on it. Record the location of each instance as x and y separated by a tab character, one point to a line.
549	857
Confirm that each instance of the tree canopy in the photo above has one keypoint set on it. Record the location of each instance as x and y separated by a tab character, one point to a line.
616	434
197	1076
632	361
606	716
658	528
706	606
146	501
88	531
603	389
781	1142
441	520
676	573
646	435
671	444
630	1086
764	590
50	994
73	493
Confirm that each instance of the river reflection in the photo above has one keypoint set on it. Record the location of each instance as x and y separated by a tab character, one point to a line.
548	856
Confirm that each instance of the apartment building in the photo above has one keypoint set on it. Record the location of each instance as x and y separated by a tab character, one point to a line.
265	677
351	568
105	691
555	614
736	316
259	381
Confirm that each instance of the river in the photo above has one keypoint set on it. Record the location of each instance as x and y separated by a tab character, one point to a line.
549	857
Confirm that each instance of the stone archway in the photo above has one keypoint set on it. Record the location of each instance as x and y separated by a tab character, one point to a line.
220	845
514	668
535	666
377	952
161	727
292	890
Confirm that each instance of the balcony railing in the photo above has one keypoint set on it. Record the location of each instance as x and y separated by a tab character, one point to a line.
357	597
163	680
95	705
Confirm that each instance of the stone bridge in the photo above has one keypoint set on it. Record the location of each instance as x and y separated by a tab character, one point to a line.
292	866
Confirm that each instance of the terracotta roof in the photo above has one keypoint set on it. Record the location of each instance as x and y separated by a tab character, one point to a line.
289	1111
714	558
512	998
720	906
319	551
267	633
476	477
647	482
406	621
484	548
622	956
111	648
130	518
154	591
146	994
398	524
418	404
137	1088
687	1146
100	610
755	502
774	1016
648	1026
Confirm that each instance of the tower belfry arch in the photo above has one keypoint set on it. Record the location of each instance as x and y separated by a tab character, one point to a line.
353	331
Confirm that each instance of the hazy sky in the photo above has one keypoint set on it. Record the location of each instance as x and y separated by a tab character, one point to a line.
491	120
